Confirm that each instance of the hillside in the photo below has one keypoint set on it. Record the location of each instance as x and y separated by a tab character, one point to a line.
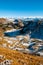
21	49
19	58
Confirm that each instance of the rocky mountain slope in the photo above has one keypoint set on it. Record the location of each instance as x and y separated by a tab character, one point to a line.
21	42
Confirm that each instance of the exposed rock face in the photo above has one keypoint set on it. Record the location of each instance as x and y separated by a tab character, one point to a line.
36	29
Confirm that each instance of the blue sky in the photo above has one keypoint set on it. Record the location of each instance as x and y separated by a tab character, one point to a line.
21	8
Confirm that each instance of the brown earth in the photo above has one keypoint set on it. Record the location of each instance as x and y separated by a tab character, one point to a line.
21	58
2	20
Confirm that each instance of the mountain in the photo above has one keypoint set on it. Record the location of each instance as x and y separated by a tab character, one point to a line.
2	20
35	26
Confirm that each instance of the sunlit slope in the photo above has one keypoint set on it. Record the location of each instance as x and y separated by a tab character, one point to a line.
19	58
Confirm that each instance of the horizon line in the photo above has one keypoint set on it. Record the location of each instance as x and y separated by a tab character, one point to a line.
21	16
